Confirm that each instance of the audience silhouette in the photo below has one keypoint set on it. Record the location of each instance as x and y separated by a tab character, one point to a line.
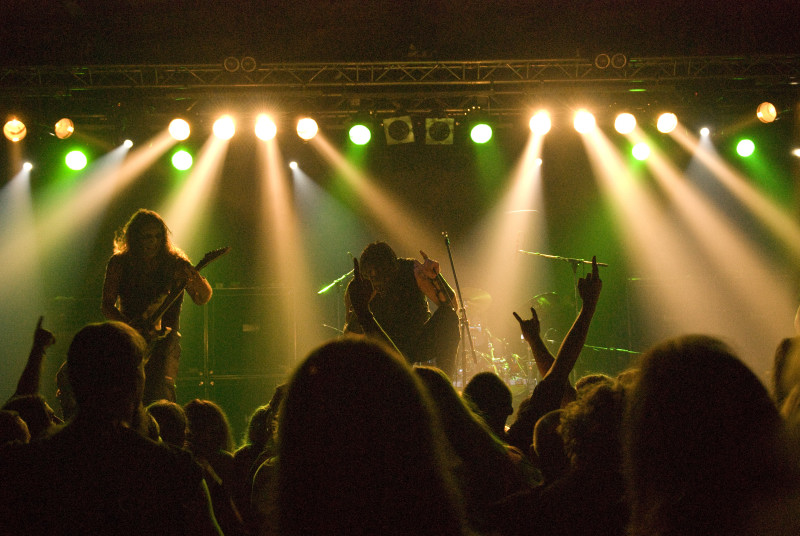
687	442
99	475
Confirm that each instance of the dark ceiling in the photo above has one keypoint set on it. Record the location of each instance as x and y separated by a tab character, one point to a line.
74	32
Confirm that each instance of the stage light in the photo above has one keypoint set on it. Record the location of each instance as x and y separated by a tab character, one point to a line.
641	151
293	164
307	128
179	129
625	123
796	153
439	130
127	144
481	133
76	160
231	64
360	134
745	148
667	122
224	128
248	64
584	121
540	123
538	162
398	130
15	130
64	128
766	112
27	166
705	131
265	129
602	61
181	160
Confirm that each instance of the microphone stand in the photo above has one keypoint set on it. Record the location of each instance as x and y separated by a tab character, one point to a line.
462	322
336	283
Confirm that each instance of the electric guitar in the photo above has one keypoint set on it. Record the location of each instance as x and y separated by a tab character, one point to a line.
146	324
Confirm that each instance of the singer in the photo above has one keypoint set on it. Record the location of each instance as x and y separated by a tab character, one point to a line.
399	305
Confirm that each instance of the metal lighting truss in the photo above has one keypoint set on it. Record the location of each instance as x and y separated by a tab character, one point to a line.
336	90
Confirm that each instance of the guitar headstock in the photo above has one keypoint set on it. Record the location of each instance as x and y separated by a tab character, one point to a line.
211	256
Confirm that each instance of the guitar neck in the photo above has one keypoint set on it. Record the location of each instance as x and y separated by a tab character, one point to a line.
173	297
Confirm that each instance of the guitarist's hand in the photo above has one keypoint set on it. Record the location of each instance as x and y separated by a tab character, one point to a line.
196	285
190	274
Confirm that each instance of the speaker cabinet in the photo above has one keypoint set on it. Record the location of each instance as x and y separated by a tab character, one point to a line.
251	331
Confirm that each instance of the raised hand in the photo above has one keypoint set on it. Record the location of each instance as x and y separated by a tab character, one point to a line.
530	328
428	268
42	338
360	290
430	283
589	287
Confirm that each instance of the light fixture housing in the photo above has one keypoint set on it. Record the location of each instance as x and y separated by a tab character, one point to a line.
667	122
307	128
625	123
540	123
398	130
64	128
766	112
439	130
15	130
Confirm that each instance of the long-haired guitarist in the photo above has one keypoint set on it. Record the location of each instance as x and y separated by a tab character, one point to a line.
146	272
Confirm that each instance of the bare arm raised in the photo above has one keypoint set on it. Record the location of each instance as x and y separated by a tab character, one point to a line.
30	378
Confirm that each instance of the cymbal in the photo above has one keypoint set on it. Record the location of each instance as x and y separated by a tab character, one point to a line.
554	310
475	297
552	300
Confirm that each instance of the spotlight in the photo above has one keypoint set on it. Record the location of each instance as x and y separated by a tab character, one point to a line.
224	128
398	130
584	121
307	128
540	123
76	160
231	64
27	166
64	128
705	131
745	148
265	129
360	134
181	160
248	64
439	130
481	133
179	129
796	152
641	151
625	123
667	122
618	60
766	112
293	164
602	61
15	130
127	144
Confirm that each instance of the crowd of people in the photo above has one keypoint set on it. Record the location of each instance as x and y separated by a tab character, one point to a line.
370	436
